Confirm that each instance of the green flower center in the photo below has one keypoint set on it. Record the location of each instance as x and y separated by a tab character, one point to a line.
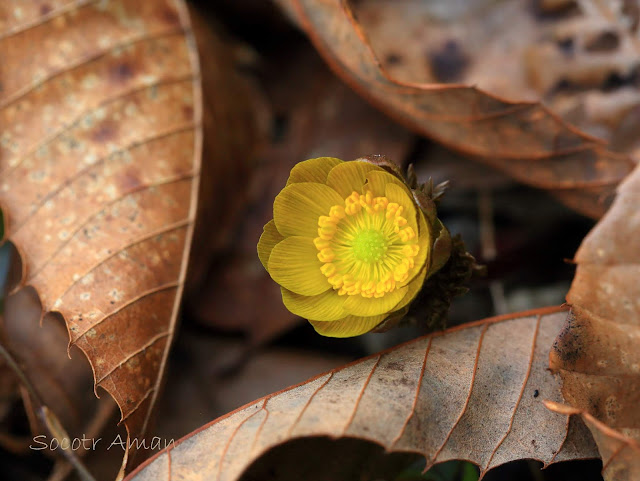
369	245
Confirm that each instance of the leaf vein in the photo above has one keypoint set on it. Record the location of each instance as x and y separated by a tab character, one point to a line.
138	404
613	455
146	345
69	126
415	400
163	230
259	430
86	60
357	402
524	384
93	215
68	181
306	405
466	403
45	18
230	440
147	293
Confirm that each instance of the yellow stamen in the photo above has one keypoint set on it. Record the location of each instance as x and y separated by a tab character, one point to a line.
320	243
366	246
326	255
328	270
406	234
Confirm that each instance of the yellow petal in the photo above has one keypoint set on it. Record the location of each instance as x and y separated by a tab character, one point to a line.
424	254
297	208
364	306
328	306
293	264
378	179
412	289
349	176
348	327
313	170
401	196
269	238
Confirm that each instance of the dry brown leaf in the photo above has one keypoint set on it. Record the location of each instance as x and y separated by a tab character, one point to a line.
473	392
597	352
99	163
524	139
580	60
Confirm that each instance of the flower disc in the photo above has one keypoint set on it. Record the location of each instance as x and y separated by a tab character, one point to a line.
367	246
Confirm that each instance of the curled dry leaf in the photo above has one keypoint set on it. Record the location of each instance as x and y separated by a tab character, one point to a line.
524	139
473	392
598	351
99	164
582	59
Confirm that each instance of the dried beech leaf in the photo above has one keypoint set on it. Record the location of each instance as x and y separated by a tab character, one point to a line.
597	353
99	163
524	139
473	392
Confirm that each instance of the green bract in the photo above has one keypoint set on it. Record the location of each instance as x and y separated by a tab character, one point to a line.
351	244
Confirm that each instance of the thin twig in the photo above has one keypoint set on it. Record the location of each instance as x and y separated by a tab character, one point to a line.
106	407
57	431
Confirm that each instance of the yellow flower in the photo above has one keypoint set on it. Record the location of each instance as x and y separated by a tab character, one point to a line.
347	244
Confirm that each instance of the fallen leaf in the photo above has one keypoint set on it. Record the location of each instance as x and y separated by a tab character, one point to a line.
100	114
597	353
473	392
524	139
580	61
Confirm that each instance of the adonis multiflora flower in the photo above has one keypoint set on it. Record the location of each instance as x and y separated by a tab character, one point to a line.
351	243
